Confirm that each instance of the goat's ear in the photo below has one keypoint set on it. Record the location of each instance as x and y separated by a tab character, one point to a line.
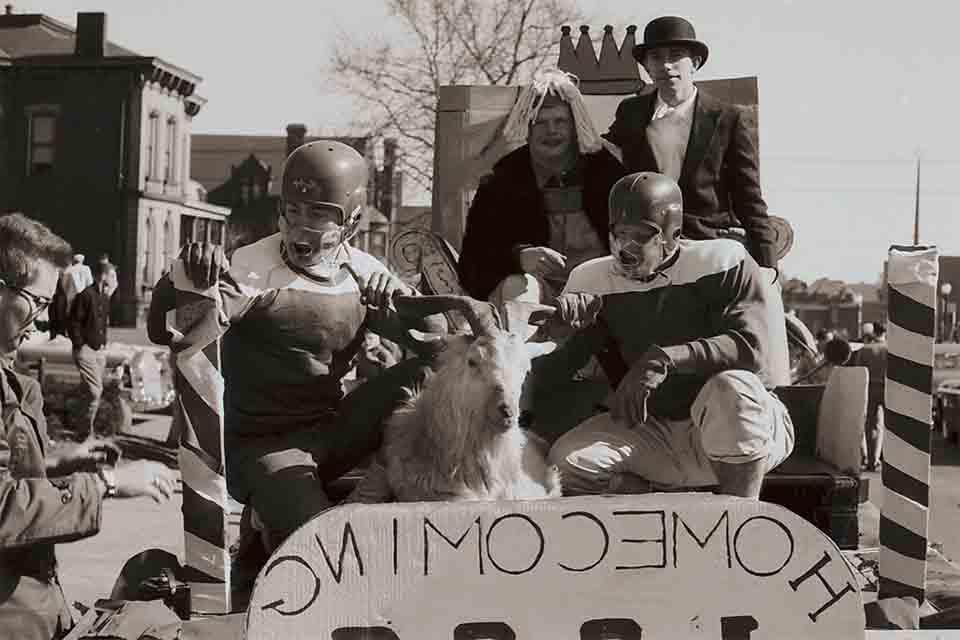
426	344
537	349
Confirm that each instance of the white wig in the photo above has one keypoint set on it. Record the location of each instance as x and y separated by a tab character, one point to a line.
564	86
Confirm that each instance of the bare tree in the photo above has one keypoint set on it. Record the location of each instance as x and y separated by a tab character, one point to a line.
442	42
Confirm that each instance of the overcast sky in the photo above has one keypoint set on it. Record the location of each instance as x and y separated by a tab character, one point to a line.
849	92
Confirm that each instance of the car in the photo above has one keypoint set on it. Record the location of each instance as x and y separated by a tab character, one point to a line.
137	379
946	389
947	409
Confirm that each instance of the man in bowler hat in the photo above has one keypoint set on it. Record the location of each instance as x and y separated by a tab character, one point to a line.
702	143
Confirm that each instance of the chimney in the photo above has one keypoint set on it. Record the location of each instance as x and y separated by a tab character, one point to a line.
91	35
296	136
387	202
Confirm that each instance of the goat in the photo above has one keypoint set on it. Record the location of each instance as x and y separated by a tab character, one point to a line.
458	436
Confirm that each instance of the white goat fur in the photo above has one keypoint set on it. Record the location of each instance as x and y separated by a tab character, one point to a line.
458	437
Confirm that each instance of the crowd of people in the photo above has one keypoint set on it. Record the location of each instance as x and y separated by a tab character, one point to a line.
627	234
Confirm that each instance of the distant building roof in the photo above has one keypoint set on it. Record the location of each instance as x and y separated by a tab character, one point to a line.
33	34
212	155
34	39
869	292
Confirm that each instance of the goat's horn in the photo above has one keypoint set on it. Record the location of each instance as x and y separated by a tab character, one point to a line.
482	316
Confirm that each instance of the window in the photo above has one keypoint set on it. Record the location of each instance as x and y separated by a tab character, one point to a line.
200	230
170	156
216	232
148	253
153	134
183	164
169	250
42	127
186	230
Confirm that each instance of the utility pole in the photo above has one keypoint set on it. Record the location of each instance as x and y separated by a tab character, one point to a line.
916	206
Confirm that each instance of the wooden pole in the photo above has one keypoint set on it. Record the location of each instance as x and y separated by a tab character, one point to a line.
904	518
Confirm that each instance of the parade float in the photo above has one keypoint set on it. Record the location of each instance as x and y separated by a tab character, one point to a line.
662	565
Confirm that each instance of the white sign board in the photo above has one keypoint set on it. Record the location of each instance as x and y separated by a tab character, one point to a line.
625	567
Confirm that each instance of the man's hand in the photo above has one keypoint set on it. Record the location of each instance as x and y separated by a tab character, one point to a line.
145	478
648	372
204	262
379	288
539	261
85	457
577	310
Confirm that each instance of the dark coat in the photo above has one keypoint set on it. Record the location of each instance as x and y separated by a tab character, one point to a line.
508	212
35	513
720	178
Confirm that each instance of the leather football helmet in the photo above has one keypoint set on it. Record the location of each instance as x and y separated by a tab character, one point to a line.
327	173
649	200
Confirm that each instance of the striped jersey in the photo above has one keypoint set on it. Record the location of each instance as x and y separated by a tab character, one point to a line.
292	338
709	297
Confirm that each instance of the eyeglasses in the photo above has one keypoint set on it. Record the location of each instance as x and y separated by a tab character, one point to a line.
39	303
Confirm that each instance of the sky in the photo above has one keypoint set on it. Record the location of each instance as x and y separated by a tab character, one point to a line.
850	93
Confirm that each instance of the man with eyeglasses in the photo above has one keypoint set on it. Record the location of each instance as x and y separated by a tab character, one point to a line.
682	336
45	499
87	323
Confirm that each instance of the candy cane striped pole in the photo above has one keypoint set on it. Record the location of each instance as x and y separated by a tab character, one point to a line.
911	312
199	384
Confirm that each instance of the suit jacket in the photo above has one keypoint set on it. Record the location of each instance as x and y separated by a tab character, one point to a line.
88	318
720	177
508	212
35	513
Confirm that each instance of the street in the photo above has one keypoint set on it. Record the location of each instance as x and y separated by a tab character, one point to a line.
89	567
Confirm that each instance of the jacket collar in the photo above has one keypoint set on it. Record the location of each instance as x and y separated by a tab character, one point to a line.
706	112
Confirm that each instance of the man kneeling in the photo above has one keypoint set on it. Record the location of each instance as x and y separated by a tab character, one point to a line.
682	336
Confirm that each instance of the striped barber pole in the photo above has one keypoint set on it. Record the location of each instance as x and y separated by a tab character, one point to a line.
911	311
199	385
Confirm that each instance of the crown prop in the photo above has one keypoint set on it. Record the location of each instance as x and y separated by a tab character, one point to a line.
614	72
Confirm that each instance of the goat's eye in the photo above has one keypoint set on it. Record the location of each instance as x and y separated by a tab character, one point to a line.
473	363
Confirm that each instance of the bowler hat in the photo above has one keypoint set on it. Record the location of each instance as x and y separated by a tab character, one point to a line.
670	30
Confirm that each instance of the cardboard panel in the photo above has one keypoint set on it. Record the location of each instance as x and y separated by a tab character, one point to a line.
660	565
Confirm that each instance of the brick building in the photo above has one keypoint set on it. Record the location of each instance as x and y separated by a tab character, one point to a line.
243	172
95	142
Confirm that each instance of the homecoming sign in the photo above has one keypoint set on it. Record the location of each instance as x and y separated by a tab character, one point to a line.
597	568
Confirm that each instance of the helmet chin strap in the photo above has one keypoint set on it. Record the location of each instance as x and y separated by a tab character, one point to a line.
324	270
667	258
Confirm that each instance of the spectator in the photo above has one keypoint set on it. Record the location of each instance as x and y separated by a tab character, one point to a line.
873	356
44	499
76	278
89	318
543	210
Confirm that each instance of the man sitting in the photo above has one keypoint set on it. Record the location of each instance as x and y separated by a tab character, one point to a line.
543	210
682	336
297	306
